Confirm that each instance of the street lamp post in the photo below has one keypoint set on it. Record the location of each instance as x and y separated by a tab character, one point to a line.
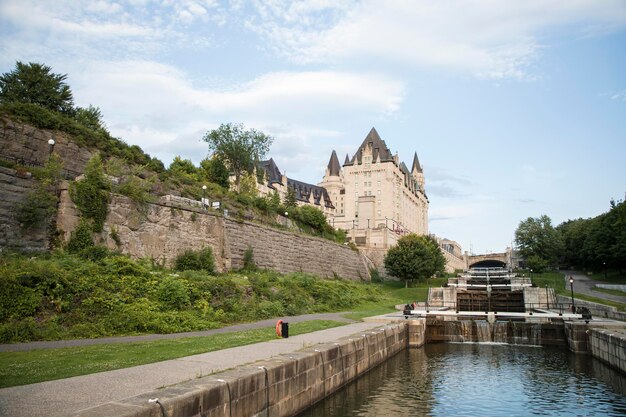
604	265
50	147
204	205
531	274
571	284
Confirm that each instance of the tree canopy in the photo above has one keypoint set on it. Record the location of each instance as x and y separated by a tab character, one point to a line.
238	148
415	257
37	84
598	242
538	242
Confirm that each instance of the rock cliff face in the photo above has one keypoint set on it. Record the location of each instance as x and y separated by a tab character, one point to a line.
14	187
22	142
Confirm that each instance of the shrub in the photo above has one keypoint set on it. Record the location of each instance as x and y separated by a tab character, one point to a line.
201	260
173	294
91	194
248	260
115	236
81	238
36	209
94	253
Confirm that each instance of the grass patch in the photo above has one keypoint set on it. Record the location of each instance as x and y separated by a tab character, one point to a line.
394	293
609	291
612	276
556	280
617	305
20	368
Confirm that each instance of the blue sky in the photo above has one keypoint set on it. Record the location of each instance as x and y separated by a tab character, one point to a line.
515	108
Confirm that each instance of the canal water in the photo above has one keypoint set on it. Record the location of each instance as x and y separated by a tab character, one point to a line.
476	379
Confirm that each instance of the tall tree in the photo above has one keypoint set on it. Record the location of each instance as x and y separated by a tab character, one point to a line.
237	147
215	171
415	257
539	242
37	84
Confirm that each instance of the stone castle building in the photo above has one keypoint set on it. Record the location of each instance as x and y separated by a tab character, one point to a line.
374	190
374	196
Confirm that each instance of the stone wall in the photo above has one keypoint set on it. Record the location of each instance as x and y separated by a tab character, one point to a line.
165	229
282	386
609	346
288	252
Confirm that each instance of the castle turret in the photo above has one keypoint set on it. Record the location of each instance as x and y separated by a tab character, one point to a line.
333	169
418	172
333	182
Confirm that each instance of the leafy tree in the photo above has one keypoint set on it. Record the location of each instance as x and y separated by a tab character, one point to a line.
274	201
185	166
535	237
248	185
313	217
91	118
415	257
290	198
215	171
239	149
36	84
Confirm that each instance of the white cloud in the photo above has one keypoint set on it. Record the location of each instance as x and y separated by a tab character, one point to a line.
482	37
155	106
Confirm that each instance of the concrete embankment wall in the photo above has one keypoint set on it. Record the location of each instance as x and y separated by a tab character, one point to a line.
279	387
609	346
515	333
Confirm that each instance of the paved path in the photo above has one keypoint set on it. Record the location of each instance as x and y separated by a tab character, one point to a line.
67	396
585	285
15	347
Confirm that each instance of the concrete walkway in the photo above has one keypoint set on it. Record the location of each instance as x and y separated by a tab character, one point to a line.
585	285
23	347
67	396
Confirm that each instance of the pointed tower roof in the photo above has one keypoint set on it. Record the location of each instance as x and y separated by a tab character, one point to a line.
416	164
347	161
333	165
271	170
379	148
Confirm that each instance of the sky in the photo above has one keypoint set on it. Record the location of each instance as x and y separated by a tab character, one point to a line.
515	108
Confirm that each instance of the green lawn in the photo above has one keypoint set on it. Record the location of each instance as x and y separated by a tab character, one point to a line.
612	276
20	368
555	280
612	292
395	293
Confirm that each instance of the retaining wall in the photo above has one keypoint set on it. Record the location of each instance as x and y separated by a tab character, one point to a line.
279	387
609	345
515	333
597	310
165	229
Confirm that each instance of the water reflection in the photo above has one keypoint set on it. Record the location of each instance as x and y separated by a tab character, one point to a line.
477	379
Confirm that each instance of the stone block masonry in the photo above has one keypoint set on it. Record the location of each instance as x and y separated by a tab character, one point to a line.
609	345
165	229
282	386
289	252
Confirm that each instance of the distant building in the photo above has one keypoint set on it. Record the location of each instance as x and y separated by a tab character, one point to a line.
374	196
375	190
